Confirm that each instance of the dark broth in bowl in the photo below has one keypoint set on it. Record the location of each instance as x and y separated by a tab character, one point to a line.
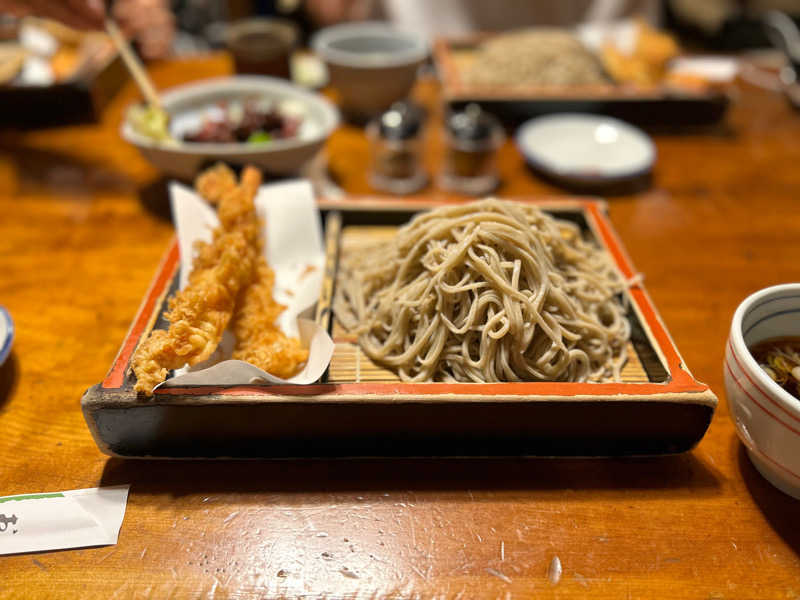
780	359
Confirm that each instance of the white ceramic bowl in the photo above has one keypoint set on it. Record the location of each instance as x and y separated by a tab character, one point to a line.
767	417
186	105
370	64
585	148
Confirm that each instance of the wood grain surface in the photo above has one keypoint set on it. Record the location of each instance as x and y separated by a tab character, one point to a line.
84	223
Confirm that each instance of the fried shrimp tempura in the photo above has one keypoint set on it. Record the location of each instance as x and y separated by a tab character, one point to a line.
236	213
647	64
258	340
230	283
215	183
198	314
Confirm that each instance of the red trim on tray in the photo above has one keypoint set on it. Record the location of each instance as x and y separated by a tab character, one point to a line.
455	89
681	380
444	60
755	385
164	274
756	402
640	297
387	204
431	389
610	239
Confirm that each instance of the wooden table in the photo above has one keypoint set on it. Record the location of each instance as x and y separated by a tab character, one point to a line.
83	228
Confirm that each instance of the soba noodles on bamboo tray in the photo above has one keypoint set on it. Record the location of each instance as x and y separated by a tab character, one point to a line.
486	292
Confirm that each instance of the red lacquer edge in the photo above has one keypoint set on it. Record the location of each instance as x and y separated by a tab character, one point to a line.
680	377
413	202
680	380
455	89
449	73
164	274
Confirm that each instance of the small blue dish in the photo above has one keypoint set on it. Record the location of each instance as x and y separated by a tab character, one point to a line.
6	335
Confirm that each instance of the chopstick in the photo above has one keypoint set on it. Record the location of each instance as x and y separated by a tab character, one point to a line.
133	63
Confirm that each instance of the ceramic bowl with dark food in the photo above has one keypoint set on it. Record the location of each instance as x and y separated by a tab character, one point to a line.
263	121
760	384
371	65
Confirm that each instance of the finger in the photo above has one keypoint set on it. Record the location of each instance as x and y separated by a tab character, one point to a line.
94	11
58	11
80	14
157	41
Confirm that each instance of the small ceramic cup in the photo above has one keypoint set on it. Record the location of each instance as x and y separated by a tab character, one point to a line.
767	417
371	65
262	46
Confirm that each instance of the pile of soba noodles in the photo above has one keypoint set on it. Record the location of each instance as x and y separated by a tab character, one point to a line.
486	292
539	56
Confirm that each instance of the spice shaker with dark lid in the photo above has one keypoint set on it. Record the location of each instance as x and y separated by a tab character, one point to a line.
472	137
395	138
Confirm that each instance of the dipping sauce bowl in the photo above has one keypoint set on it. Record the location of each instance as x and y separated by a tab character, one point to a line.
766	416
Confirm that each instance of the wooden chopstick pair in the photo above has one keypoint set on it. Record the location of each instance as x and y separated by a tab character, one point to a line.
133	63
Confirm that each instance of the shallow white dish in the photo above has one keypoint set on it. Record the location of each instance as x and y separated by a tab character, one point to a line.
6	335
187	103
585	148
767	417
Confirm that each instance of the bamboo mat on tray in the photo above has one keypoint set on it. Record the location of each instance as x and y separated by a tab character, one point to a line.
350	365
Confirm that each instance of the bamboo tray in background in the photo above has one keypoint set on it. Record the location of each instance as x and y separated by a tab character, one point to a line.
360	409
650	106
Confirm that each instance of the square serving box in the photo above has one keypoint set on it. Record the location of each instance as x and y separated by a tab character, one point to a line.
649	106
75	101
359	409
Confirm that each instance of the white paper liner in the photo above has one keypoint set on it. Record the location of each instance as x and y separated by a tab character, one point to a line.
716	69
293	249
623	35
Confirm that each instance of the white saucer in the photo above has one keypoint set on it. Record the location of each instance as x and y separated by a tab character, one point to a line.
584	148
6	334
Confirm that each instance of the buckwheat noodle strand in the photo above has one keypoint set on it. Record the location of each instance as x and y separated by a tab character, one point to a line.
485	292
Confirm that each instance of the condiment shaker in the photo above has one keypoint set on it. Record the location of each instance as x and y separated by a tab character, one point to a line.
396	145
472	137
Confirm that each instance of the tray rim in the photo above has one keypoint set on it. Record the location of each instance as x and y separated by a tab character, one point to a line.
455	90
681	385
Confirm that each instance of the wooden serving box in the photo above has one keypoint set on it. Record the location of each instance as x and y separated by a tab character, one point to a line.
359	409
650	106
75	101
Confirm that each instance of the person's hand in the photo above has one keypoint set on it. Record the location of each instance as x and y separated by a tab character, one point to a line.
149	22
79	14
329	12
